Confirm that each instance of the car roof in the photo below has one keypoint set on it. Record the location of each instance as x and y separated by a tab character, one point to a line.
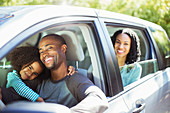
122	18
26	16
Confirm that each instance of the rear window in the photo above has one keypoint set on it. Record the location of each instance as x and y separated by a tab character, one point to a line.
163	43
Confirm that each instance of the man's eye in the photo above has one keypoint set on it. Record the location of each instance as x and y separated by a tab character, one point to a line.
49	48
30	67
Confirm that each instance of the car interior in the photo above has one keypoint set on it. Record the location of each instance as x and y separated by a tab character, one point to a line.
77	52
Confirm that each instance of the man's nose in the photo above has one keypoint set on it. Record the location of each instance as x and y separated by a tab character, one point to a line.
45	53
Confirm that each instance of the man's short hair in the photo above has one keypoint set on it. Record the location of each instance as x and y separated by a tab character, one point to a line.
56	37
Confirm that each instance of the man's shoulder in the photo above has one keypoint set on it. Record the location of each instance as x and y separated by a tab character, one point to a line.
79	74
78	78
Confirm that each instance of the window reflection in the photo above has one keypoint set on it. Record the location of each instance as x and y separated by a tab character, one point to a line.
163	43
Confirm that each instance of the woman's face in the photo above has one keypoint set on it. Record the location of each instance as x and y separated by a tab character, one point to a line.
30	72
122	45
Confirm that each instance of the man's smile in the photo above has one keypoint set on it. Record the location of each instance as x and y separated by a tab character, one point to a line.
48	59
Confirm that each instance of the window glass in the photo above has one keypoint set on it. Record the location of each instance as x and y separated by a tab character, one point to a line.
163	43
76	36
131	72
5	67
83	38
80	55
143	42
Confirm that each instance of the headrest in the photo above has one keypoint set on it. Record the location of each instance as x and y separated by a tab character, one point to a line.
74	50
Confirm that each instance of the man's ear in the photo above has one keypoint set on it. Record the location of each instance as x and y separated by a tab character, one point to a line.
64	48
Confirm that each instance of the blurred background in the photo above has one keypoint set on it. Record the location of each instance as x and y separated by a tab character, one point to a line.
156	11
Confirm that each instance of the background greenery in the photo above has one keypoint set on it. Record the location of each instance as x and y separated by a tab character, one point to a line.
156	11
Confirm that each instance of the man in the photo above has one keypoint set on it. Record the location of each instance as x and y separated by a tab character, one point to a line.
63	89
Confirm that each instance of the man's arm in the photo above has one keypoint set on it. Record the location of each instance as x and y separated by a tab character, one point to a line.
91	98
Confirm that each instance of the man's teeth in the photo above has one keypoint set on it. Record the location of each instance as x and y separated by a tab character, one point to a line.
48	59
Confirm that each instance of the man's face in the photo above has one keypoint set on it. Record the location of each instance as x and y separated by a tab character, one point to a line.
51	53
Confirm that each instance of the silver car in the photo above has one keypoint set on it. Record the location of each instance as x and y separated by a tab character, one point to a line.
91	30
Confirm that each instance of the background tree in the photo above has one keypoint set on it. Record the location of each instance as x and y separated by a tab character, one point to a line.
4	2
156	11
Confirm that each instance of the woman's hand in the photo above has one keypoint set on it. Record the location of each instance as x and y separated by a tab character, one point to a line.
71	70
40	99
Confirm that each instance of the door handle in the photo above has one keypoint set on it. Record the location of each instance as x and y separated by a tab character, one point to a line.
140	106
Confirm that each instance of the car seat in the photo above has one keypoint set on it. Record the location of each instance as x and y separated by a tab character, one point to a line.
74	53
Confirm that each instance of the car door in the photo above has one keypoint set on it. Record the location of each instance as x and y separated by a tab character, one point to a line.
150	93
97	57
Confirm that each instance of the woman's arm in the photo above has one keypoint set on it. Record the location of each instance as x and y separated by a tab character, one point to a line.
137	72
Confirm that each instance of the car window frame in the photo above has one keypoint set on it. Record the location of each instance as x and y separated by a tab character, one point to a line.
146	36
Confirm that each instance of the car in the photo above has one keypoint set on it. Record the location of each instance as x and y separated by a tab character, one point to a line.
89	31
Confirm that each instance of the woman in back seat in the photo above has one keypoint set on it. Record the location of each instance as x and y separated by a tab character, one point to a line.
127	49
